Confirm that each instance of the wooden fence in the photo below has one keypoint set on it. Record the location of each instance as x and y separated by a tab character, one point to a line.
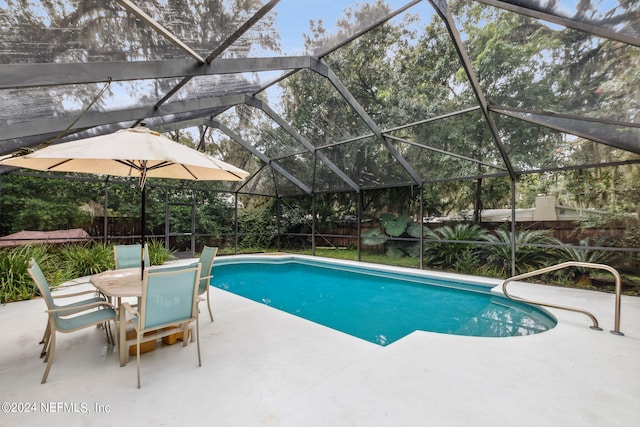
568	232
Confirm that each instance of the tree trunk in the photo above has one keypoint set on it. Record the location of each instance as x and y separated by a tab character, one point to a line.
477	205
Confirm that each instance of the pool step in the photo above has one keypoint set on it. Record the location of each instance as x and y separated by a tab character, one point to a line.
489	324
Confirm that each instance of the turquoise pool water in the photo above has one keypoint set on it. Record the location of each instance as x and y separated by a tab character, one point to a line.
378	306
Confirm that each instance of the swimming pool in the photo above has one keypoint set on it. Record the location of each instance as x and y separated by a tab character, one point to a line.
379	305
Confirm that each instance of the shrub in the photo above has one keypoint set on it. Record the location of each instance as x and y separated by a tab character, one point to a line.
85	259
158	254
446	253
60	264
15	282
581	275
528	256
390	227
258	227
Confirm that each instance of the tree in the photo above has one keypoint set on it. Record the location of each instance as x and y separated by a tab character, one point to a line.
321	114
44	204
51	31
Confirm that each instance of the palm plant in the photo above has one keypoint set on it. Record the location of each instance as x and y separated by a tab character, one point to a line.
529	255
453	245
582	275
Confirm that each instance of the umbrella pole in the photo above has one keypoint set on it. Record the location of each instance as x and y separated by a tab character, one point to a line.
143	214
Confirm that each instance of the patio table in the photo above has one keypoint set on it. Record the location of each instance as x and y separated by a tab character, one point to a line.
118	284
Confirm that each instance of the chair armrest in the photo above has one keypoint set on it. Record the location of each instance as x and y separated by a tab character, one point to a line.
82	307
130	309
74	294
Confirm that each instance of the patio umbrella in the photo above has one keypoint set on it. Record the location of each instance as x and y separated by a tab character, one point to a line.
137	152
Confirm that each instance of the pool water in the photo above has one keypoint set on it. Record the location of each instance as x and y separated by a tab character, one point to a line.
380	307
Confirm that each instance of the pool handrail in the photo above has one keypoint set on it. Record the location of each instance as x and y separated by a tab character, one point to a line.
595	326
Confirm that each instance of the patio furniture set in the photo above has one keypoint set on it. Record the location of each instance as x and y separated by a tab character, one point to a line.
166	307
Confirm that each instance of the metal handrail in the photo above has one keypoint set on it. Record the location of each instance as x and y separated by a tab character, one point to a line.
612	270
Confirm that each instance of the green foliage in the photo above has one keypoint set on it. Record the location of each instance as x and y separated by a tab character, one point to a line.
393	226
582	275
394	252
60	264
15	282
528	257
292	216
158	254
445	252
374	237
273	223
390	227
413	249
258	226
416	230
398	78
30	203
83	260
386	217
586	255
334	208
469	262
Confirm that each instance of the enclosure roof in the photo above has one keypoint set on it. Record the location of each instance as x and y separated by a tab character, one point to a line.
312	97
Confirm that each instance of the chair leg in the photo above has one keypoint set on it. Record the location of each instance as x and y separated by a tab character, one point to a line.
50	351
46	350
45	340
122	342
209	305
109	333
185	334
138	355
198	341
114	336
45	335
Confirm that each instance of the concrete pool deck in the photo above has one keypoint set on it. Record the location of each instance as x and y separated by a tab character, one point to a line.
264	367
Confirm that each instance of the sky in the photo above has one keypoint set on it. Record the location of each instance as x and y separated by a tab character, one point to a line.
293	18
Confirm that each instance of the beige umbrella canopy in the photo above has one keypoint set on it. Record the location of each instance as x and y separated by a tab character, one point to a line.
136	152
